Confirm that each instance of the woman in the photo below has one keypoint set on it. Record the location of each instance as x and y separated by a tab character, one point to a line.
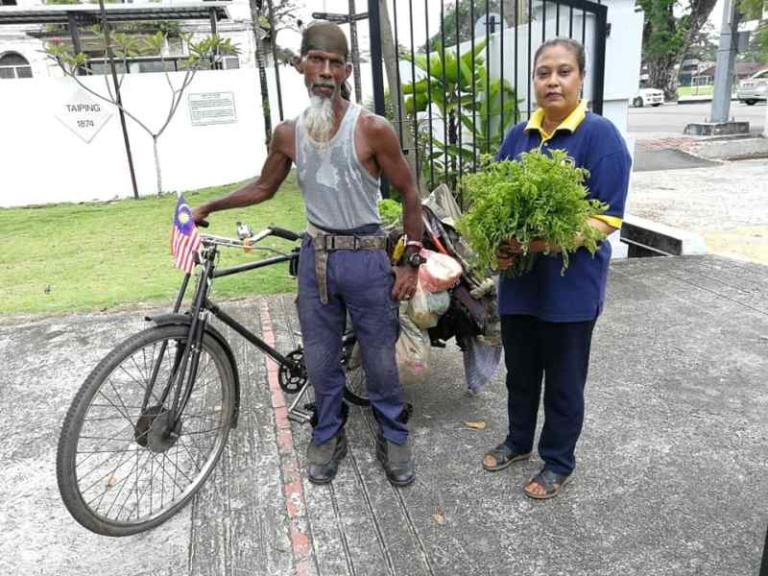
547	318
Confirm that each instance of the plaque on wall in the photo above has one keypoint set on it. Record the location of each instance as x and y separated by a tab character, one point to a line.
212	108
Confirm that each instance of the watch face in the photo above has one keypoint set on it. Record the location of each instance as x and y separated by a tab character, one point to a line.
414	260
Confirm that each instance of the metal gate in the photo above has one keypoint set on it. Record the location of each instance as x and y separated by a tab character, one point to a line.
454	75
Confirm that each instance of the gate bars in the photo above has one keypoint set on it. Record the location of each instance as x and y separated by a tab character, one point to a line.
458	98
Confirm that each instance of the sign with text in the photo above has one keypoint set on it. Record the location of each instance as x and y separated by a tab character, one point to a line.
84	114
212	108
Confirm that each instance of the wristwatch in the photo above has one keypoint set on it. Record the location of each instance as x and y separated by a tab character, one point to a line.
414	259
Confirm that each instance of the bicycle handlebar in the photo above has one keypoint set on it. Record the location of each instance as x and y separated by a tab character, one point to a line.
285	234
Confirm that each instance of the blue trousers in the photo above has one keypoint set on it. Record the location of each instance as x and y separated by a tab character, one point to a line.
558	354
359	284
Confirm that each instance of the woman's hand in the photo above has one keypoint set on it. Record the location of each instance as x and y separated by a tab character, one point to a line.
514	247
406	278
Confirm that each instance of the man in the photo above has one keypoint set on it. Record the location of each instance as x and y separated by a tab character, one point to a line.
339	151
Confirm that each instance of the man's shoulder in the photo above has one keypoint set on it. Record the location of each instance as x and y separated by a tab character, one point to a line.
375	128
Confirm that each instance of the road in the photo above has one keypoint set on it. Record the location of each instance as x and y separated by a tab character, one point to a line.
671	119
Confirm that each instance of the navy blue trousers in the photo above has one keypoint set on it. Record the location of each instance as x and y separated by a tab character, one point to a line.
557	355
359	283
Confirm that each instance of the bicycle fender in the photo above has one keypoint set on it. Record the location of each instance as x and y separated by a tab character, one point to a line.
185	320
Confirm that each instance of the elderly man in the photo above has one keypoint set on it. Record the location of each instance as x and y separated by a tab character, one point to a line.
340	150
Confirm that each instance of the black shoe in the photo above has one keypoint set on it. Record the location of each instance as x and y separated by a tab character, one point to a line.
396	459
324	458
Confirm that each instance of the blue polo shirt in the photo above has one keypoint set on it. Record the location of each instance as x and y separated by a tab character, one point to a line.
576	296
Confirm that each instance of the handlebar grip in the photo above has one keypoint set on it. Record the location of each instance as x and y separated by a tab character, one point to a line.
203	224
285	234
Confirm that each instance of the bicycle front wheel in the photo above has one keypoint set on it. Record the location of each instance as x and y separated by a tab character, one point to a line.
125	464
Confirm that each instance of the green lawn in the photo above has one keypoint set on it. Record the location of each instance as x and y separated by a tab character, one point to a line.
84	257
683	91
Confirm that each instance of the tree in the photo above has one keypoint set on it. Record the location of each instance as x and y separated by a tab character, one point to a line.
667	38
203	54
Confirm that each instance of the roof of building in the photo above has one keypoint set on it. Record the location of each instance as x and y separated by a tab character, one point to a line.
90	13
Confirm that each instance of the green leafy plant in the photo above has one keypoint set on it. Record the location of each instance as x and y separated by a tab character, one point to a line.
391	211
539	197
465	97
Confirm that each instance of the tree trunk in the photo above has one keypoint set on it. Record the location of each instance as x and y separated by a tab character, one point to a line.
158	173
661	75
261	64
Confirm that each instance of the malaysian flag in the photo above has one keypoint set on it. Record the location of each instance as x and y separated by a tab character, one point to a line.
185	241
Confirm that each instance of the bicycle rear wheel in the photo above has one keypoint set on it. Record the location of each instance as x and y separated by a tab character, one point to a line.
122	465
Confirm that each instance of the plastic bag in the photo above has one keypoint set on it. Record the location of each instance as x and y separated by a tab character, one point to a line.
440	272
481	360
425	308
412	352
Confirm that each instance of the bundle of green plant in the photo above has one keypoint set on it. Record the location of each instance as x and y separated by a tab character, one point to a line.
539	197
390	211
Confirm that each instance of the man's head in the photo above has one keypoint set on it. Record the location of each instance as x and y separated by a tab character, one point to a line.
326	37
323	62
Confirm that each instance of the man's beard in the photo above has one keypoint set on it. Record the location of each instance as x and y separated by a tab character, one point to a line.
319	119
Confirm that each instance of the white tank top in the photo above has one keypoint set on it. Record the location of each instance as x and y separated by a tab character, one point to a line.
339	192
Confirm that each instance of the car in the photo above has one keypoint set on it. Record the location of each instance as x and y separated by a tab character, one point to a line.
648	97
753	89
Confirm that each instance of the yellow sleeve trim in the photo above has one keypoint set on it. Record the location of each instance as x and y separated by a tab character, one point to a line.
610	220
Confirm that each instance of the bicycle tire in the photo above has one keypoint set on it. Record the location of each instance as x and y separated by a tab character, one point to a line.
355	389
123	444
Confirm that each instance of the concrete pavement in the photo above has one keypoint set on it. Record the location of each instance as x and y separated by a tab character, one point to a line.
725	202
672	476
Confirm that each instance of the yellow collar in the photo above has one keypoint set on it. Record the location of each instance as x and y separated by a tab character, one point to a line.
570	124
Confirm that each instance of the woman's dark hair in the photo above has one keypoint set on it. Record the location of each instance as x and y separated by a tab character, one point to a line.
575	47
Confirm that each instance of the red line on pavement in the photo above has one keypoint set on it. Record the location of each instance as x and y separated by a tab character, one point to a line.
295	505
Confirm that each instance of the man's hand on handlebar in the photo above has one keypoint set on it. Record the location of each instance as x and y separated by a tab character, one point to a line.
199	215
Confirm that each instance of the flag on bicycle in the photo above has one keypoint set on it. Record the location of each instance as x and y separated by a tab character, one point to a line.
185	241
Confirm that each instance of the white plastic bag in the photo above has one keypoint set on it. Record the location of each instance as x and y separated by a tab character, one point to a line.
425	308
412	352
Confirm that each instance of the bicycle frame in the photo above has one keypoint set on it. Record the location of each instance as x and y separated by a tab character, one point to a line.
182	380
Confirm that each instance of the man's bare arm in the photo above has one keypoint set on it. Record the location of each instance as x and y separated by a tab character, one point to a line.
273	173
394	167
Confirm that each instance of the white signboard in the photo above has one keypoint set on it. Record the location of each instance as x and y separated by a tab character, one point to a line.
84	114
212	108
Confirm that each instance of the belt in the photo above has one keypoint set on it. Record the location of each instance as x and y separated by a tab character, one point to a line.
323	243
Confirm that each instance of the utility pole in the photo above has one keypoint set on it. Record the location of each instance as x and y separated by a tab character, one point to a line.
726	56
719	122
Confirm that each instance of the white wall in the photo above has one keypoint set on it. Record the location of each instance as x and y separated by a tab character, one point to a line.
45	162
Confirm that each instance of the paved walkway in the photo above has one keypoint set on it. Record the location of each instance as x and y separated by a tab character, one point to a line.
726	203
672	476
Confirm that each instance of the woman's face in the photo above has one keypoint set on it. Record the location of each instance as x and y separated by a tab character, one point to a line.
557	81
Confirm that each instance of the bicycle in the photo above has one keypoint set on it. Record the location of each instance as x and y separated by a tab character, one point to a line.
150	422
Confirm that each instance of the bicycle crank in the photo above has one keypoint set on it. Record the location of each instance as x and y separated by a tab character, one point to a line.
153	429
293	374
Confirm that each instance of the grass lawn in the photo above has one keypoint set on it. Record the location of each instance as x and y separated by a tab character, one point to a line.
683	91
85	257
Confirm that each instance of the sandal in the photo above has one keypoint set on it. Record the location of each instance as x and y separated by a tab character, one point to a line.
501	457
552	482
